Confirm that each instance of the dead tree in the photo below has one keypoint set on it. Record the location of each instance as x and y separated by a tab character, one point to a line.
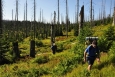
91	14
15	43
40	15
110	7
113	17
53	29
93	23
77	10
12	14
32	42
58	13
34	16
0	27
26	19
66	18
58	26
16	10
0	18
81	18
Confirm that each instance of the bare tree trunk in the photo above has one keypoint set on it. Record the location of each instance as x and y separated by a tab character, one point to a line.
32	48
12	14
110	7
34	16
0	17
66	18
58	19
81	18
15	43
40	15
17	9
91	14
24	12
113	17
77	10
0	27
16	50
53	29
32	43
58	13
26	19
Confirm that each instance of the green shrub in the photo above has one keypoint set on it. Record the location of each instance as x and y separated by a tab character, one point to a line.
112	53
41	59
85	32
103	44
4	51
66	65
84	73
60	47
39	43
109	36
78	49
76	29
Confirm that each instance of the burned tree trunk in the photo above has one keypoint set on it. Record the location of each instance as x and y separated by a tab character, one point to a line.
81	18
32	43
53	30
0	17
52	38
113	17
66	18
32	48
15	43
26	19
0	28
16	50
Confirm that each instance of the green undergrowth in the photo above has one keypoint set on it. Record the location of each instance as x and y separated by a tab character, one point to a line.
67	62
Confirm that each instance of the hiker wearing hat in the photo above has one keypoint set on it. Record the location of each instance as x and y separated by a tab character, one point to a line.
91	53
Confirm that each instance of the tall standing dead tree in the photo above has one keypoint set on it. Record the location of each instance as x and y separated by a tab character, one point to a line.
66	18
91	14
24	12
32	43
0	28
15	43
77	10
110	7
81	18
40	15
113	17
12	14
0	17
16	10
58	13
53	30
26	18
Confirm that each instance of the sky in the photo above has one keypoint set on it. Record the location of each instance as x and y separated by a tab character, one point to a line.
49	6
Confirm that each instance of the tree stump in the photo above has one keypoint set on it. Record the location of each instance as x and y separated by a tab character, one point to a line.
32	48
16	49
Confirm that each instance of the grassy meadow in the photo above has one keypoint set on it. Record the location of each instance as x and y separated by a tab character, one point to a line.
67	62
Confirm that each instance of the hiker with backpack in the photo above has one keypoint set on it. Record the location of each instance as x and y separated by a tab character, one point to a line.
91	53
54	48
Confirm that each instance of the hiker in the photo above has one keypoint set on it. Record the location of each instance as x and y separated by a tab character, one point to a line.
54	48
91	53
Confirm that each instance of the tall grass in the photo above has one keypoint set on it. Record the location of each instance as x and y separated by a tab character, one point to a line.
67	63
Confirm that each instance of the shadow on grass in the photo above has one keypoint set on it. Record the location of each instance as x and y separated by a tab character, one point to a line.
101	65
